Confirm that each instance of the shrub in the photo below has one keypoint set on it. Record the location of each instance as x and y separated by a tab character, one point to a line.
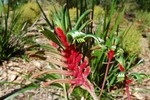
12	37
130	6
144	18
29	12
98	12
73	16
144	4
51	9
131	41
148	40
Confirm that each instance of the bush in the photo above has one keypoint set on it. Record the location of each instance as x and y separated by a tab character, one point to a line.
144	18
51	9
73	16
29	12
144	4
148	40
98	12
12	35
131	41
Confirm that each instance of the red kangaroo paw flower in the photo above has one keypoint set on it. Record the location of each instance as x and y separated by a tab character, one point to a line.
87	71
78	58
61	36
128	81
110	54
79	71
83	65
121	67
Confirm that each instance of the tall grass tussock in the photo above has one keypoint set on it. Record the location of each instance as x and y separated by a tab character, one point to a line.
29	12
131	41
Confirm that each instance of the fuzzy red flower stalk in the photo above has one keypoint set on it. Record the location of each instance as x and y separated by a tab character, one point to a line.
110	56
78	69
121	68
61	36
127	82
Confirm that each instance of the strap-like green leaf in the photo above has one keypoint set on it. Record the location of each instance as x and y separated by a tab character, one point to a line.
44	14
50	35
84	25
76	27
137	76
21	91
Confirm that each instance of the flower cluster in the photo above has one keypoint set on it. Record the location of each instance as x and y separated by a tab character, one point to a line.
80	70
110	55
127	81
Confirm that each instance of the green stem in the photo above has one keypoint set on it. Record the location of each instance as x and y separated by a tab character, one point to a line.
65	91
64	87
95	38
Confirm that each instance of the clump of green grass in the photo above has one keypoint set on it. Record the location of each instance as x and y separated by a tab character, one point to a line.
29	12
144	18
148	37
130	6
12	34
73	16
52	7
131	41
98	13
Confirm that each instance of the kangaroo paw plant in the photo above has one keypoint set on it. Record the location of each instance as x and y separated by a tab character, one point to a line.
86	61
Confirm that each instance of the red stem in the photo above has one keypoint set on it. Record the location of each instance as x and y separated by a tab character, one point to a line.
128	92
106	72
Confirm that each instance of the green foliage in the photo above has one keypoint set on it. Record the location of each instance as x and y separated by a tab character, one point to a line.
29	12
98	13
52	7
73	16
144	18
106	3
131	6
131	41
106	32
144	4
12	37
81	43
148	37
